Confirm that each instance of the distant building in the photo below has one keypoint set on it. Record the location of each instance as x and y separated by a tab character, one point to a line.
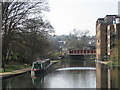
90	47
107	33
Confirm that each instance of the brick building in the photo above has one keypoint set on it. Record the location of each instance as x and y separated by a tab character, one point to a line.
107	34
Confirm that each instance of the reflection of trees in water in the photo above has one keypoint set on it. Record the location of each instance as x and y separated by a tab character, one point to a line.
81	63
74	63
18	82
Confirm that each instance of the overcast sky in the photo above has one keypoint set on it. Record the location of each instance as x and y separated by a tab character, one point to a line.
65	15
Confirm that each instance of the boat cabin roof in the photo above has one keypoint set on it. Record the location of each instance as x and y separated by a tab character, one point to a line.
41	61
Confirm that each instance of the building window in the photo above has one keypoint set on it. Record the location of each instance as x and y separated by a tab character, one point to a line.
108	45
98	41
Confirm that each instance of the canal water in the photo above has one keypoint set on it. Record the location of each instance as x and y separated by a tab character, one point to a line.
107	76
67	74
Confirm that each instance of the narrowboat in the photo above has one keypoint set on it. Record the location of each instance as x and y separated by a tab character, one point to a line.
41	66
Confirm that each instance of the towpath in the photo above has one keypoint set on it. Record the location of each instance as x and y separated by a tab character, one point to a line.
14	73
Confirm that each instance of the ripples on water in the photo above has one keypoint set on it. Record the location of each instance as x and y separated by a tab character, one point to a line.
68	74
67	77
71	79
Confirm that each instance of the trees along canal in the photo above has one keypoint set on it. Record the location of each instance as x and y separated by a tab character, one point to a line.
34	42
24	37
79	40
115	56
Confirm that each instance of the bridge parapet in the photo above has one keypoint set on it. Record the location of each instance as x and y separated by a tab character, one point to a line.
82	52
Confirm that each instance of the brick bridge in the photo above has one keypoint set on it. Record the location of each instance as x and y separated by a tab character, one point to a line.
81	54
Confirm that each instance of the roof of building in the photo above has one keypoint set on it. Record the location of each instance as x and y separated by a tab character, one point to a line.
118	16
108	19
100	18
107	16
110	15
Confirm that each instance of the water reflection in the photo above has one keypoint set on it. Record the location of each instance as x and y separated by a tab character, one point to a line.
21	81
71	79
38	80
75	63
77	68
103	77
68	76
57	79
106	76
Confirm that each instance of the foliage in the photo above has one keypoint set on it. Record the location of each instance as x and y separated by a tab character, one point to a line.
115	56
13	14
119	52
10	67
54	56
33	43
75	40
79	40
24	34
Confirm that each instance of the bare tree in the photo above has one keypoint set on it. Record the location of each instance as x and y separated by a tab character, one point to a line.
13	15
79	40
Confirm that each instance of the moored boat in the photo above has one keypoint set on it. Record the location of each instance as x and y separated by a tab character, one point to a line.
41	65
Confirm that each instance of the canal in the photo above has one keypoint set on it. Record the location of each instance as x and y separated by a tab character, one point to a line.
68	74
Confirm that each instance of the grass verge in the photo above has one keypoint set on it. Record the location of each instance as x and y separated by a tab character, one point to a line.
10	68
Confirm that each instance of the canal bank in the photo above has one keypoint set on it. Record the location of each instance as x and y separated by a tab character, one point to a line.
14	73
19	72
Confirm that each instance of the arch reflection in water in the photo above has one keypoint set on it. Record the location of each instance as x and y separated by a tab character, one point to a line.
77	68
